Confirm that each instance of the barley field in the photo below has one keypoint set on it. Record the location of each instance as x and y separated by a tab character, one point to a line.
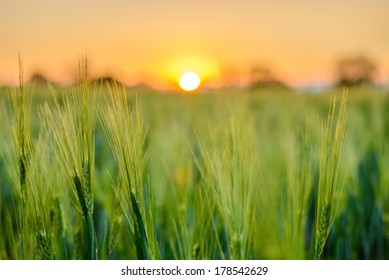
104	172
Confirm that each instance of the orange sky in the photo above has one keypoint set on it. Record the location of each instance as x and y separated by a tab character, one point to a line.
155	41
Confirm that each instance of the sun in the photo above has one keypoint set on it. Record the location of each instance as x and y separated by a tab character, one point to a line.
189	81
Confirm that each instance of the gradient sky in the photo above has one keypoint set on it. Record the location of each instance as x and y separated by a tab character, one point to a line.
155	41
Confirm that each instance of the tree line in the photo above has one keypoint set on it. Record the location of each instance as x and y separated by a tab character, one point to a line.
349	71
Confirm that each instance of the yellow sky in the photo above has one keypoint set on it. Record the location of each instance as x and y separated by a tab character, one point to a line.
155	41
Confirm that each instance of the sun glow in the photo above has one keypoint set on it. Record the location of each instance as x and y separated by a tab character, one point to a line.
189	81
203	65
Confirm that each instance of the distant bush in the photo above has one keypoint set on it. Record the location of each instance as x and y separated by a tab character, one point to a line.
107	80
262	77
39	78
356	70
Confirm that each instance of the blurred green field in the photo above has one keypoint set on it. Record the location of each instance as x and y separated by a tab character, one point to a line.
230	174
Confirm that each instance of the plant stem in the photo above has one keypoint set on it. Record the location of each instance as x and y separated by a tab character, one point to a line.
90	235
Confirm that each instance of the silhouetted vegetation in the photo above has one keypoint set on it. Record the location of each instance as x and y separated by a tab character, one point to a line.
262	77
107	80
354	71
39	78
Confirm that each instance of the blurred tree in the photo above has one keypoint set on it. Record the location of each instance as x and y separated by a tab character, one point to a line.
261	76
38	78
356	70
107	80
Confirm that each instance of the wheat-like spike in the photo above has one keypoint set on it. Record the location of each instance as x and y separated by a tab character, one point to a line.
87	188
80	195
323	229
115	233
44	245
60	216
329	189
78	244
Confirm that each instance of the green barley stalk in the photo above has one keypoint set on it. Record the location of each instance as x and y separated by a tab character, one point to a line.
228	168
22	133
47	197
22	150
74	127
300	169
40	192
126	136
330	187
